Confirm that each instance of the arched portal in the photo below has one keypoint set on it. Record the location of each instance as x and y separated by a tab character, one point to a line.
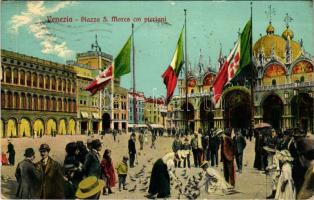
71	127
302	110
206	114
2	129
106	122
11	128
39	127
237	113
273	110
62	128
51	126
24	128
190	114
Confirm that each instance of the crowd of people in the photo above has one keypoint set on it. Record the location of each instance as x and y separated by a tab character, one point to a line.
205	147
288	158
84	174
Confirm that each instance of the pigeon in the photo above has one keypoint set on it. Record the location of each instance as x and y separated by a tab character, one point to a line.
143	189
133	189
132	179
145	182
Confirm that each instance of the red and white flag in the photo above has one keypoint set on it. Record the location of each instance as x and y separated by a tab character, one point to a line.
100	81
227	71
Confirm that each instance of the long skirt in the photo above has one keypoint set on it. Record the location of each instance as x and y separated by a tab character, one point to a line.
159	180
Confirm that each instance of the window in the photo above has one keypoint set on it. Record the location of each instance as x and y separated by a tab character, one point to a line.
34	80
28	79
41	102
15	76
273	82
35	100
8	75
23	101
59	104
53	83
29	101
17	101
47	86
59	82
302	79
41	81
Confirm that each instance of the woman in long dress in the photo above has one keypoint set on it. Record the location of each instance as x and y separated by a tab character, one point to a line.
285	187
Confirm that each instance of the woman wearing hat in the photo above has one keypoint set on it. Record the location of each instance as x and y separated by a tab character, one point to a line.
285	187
28	177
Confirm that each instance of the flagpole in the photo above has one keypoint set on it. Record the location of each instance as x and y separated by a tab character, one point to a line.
252	73
133	74
186	76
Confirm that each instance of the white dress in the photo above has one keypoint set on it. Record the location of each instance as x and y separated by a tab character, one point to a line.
215	182
286	175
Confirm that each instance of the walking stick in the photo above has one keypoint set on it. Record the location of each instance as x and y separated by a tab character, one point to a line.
266	185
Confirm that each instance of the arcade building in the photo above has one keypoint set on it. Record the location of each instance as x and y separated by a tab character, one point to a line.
283	93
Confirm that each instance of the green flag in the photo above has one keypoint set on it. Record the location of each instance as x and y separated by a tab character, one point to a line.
122	62
242	70
246	46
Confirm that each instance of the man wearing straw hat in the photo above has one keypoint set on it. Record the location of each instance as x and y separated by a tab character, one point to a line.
90	188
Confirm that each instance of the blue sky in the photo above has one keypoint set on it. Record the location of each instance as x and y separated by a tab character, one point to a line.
209	23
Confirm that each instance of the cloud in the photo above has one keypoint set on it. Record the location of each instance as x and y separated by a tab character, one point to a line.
31	19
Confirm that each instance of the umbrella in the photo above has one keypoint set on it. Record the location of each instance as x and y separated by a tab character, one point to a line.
262	125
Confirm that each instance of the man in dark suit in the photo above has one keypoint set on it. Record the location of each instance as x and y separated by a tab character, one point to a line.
132	149
92	162
53	181
28	175
240	143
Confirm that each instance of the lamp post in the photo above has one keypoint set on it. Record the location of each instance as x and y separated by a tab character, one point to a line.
296	94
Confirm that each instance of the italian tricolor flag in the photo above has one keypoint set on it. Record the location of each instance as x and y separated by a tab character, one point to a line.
238	60
171	74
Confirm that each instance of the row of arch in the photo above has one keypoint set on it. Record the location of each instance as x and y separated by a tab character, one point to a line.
28	101
27	128
237	113
33	79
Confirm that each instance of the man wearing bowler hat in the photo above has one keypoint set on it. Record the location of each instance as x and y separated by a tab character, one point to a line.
92	161
53	182
28	177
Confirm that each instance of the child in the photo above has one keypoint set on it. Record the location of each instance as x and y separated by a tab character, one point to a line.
186	146
122	170
108	171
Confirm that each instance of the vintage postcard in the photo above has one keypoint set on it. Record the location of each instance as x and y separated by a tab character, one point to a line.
157	99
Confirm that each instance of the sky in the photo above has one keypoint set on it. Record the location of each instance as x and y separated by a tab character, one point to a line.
209	23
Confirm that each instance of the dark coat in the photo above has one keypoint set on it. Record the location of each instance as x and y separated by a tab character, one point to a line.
132	149
78	174
240	144
29	180
53	181
92	165
69	190
159	180
214	143
11	153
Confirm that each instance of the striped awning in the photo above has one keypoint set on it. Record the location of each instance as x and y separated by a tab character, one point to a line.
96	116
85	115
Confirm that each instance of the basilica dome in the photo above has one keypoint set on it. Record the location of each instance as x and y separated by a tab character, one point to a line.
271	41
